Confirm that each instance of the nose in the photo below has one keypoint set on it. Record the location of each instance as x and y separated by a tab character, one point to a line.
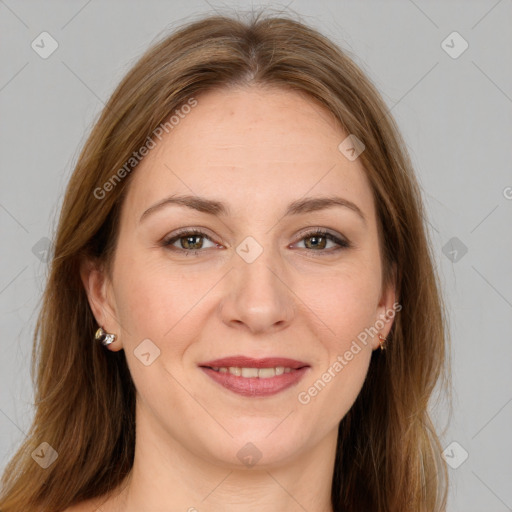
257	296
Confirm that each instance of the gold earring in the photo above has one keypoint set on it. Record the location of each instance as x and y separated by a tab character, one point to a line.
103	337
382	342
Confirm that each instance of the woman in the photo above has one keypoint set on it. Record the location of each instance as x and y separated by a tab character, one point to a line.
242	311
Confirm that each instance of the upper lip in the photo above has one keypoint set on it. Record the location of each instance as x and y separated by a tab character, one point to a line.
250	362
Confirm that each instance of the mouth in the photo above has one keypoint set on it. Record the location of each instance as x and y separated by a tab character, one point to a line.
255	377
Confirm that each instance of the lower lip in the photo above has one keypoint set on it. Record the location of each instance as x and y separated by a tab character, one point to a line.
254	386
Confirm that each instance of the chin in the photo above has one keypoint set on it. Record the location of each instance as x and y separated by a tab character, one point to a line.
260	445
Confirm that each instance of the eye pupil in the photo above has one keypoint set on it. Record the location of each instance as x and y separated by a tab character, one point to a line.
316	244
188	239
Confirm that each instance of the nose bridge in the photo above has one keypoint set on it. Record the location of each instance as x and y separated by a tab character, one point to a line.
257	295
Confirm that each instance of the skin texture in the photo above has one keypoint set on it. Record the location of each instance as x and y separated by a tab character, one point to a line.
256	150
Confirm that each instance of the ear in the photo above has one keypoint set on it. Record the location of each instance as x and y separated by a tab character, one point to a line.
98	288
387	309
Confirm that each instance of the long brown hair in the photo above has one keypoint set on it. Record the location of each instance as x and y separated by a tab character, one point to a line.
388	455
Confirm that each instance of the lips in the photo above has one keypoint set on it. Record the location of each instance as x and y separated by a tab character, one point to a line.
247	376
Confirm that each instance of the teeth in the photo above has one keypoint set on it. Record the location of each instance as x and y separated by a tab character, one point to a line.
262	373
235	371
249	372
266	373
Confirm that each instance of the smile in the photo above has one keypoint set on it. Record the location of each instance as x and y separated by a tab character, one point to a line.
255	377
247	373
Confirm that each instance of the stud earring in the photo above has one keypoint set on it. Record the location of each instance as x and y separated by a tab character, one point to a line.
104	337
382	342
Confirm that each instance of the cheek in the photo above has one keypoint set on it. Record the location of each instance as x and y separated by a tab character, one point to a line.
346	350
345	302
143	290
152	305
158	300
139	304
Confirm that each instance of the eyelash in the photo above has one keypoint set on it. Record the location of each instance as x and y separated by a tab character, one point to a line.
318	232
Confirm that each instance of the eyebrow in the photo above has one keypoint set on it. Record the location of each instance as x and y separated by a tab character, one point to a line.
217	208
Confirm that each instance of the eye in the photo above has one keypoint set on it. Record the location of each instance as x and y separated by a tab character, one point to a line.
317	240
191	241
188	241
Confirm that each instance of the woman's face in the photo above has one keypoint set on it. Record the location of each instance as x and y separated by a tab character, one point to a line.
258	281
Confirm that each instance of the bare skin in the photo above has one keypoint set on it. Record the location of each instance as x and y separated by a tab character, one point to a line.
305	298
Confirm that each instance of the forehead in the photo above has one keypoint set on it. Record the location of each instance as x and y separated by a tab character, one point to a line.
251	147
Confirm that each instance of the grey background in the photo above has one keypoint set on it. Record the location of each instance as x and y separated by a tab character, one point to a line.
455	115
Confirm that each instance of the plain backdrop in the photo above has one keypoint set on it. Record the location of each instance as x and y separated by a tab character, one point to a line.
453	105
